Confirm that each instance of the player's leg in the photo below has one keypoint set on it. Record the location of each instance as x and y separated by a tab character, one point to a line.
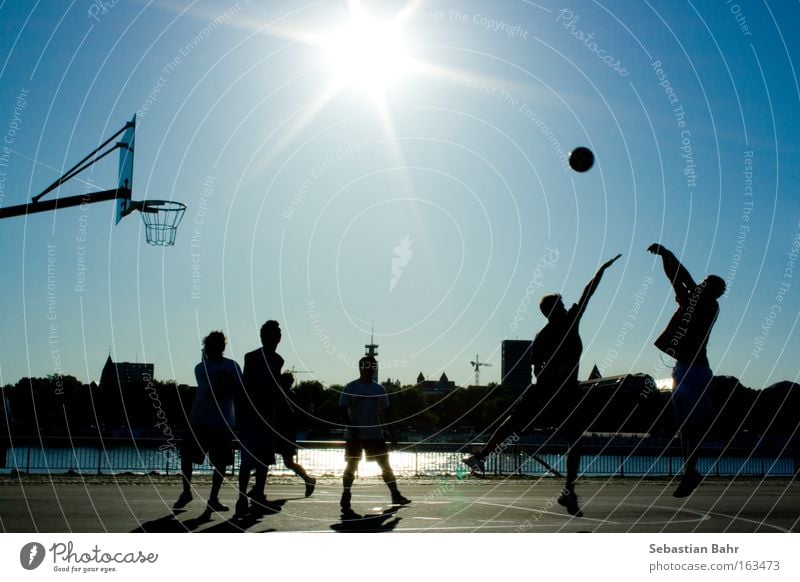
568	497
573	464
353	449
693	413
264	456
299	470
189	451
250	449
348	477
219	461
296	468
245	469
258	494
390	479
186	476
691	439
572	428
517	418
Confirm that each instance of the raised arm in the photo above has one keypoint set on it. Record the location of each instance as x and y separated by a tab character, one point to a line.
592	285
676	273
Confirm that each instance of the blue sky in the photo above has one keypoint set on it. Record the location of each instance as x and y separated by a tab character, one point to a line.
298	208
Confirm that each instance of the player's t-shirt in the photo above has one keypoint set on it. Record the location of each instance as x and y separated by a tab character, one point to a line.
364	401
217	382
255	404
556	352
686	335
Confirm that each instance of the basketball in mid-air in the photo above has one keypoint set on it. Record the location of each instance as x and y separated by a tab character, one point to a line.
581	159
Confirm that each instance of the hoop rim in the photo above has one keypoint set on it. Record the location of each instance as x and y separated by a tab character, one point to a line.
150	205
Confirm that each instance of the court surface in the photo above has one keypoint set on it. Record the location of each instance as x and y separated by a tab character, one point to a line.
142	503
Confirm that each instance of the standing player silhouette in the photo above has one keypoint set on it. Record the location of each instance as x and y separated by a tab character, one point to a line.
212	419
365	405
255	417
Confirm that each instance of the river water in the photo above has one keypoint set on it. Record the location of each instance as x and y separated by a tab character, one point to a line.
330	461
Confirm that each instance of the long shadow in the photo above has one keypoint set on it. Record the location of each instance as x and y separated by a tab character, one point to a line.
271	508
242	523
171	524
237	525
368	523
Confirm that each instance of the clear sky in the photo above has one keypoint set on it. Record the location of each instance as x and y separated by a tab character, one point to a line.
336	181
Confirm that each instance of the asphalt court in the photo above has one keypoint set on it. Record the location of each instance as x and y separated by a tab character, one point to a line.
144	504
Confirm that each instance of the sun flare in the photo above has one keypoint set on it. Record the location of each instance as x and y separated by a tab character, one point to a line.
368	55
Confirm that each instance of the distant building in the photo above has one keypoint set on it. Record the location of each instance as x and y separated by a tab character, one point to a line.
371	350
436	387
595	373
124	374
516	363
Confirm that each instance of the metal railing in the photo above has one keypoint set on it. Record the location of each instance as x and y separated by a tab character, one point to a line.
92	457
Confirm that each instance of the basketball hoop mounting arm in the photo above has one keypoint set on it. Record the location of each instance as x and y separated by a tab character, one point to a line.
68	201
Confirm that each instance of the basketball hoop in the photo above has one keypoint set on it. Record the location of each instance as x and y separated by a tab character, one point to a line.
161	219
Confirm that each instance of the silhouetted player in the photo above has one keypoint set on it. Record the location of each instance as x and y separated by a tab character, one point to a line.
285	430
255	413
555	354
685	339
212	419
364	404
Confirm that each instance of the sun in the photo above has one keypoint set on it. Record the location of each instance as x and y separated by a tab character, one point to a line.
368	55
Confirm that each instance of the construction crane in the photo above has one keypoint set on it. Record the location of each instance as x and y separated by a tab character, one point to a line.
293	371
477	365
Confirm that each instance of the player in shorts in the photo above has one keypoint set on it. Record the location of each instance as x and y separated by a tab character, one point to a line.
211	421
364	403
254	417
686	339
555	399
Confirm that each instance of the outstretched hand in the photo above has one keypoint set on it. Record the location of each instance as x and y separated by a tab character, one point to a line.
592	285
610	262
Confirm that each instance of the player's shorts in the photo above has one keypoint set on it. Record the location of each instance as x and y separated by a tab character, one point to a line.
257	447
217	443
354	448
691	395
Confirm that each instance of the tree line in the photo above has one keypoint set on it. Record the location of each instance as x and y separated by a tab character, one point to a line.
62	406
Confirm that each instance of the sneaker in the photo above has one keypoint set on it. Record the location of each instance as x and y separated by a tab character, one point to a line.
569	500
310	485
398	499
475	463
215	505
688	484
183	500
348	513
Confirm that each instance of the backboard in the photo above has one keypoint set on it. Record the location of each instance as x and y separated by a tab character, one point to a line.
126	149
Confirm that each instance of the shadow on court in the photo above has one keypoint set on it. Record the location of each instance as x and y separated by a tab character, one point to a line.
368	523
